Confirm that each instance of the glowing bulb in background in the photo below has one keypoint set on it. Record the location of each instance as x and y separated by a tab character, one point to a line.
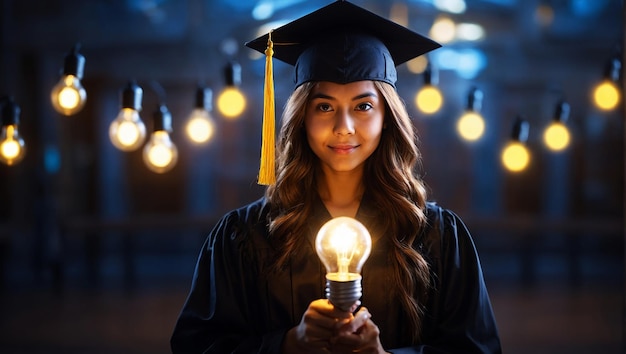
471	124
128	132
429	99
12	147
160	154
231	102
606	95
515	156
343	245
556	136
443	30
68	96
200	125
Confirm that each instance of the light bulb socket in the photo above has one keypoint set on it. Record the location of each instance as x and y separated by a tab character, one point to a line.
74	64
561	113
431	75
204	98
131	96
613	69
521	129
475	100
162	119
232	73
344	294
10	111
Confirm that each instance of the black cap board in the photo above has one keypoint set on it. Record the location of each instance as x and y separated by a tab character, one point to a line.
343	43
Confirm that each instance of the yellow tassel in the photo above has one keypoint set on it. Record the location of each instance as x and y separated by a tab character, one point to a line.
267	173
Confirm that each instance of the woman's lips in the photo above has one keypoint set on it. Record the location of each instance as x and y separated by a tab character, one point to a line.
343	148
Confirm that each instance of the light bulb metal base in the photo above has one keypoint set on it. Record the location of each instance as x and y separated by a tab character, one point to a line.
344	294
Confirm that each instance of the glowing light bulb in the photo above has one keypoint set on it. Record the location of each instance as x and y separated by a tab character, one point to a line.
471	126
160	154
343	245
128	132
429	99
606	95
515	156
68	96
200	126
12	147
231	102
556	136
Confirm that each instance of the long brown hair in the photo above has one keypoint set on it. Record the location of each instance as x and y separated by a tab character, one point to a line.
392	169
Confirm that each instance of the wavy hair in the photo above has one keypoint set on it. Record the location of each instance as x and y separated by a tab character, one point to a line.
392	169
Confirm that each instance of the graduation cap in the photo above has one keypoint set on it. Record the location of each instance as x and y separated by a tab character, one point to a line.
341	43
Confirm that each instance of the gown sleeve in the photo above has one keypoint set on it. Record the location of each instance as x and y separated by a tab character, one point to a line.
212	319
459	317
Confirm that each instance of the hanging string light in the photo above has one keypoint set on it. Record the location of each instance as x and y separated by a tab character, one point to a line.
68	95
556	136
128	132
429	98
231	101
160	153
607	94
200	125
12	147
471	125
515	156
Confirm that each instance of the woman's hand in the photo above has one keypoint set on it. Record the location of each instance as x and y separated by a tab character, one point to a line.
316	329
360	335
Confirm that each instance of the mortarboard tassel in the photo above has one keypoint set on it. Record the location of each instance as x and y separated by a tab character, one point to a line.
267	173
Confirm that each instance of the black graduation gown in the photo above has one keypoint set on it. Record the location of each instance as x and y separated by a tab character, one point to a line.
233	307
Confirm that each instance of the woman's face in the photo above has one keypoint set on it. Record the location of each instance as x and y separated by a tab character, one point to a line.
344	124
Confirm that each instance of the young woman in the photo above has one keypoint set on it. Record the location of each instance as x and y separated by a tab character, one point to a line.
347	147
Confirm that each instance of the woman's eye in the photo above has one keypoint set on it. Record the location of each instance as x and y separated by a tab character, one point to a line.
324	107
364	107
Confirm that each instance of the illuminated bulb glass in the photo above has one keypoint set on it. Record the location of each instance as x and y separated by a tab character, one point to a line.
556	136
606	95
429	99
12	148
343	245
471	126
127	132
231	102
515	157
160	154
417	65
68	96
443	30
200	126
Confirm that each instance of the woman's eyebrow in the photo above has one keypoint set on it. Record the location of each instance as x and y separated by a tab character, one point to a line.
365	95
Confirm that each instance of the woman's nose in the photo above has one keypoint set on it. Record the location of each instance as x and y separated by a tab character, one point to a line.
344	124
